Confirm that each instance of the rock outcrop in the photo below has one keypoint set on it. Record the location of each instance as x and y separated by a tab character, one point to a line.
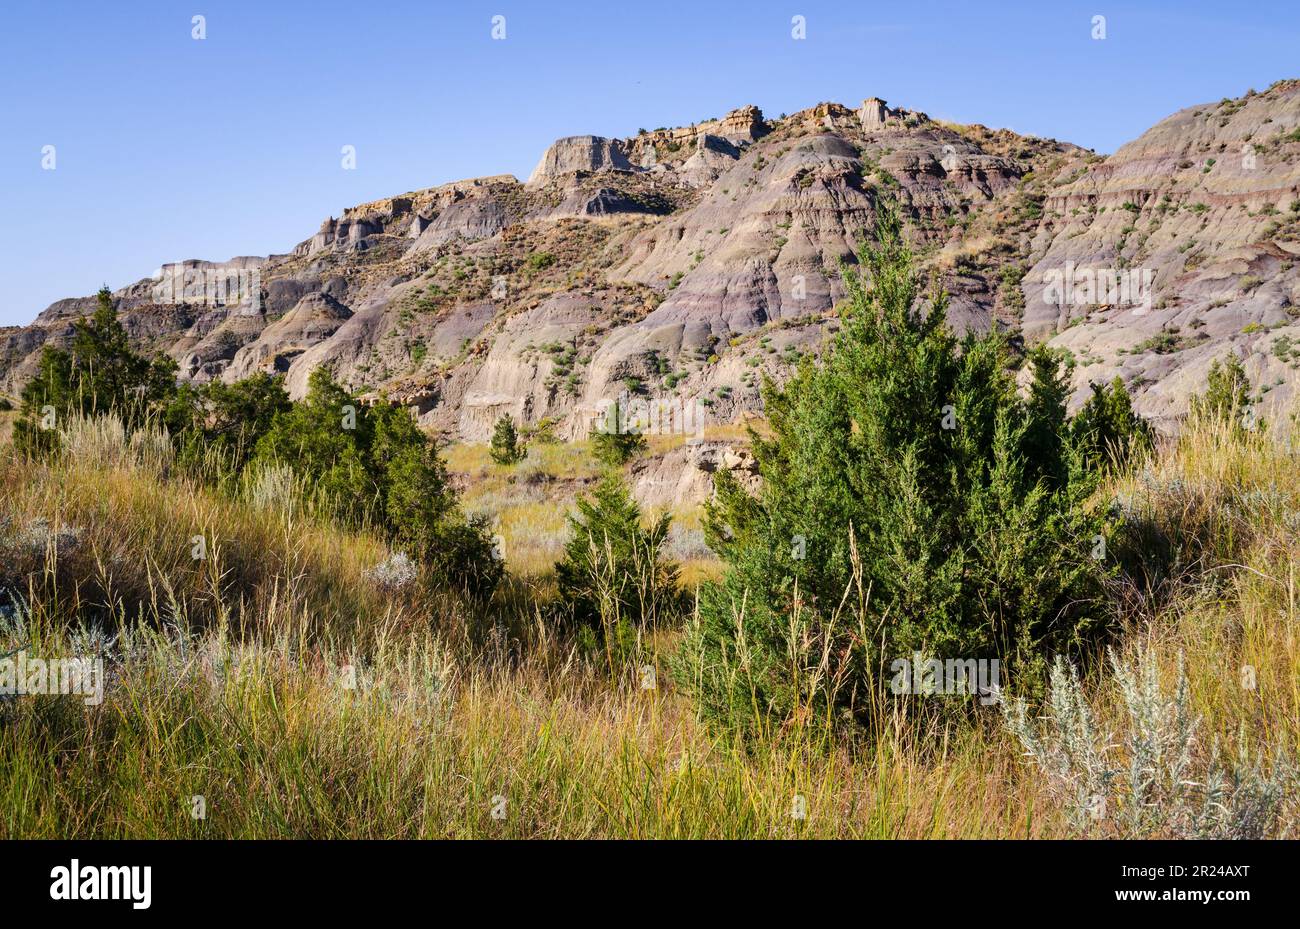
681	265
579	153
313	320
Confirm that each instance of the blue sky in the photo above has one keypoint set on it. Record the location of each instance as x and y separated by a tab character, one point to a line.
167	147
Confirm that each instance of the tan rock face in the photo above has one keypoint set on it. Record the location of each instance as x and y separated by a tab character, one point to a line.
682	264
579	153
873	114
739	127
684	475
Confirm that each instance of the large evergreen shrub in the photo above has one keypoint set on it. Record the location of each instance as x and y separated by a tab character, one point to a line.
234	417
912	501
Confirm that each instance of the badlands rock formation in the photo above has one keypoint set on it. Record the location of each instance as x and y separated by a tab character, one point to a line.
682	264
579	153
1207	205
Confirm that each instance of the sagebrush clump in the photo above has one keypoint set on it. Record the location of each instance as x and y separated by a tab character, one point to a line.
1152	779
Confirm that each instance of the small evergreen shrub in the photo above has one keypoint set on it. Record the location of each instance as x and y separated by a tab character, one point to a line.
613	579
614	443
1227	395
1106	432
543	433
539	261
505	449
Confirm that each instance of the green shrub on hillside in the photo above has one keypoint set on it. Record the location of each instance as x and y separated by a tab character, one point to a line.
1106	432
374	465
361	465
223	423
617	448
1227	395
615	443
911	501
99	372
539	261
505	449
613	578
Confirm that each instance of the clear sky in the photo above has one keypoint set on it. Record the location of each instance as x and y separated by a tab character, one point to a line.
167	147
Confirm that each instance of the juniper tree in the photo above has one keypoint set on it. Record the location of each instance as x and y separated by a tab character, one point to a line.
99	372
420	507
615	442
613	576
1106	432
1044	438
216	426
910	500
374	465
1227	394
505	448
325	438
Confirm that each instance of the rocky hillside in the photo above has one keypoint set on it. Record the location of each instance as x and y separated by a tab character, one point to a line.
684	262
1207	203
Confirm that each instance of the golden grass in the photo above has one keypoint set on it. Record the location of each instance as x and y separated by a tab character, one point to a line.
137	539
250	708
1240	628
528	503
277	746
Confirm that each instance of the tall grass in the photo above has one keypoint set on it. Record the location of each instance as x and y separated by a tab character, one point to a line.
276	744
284	682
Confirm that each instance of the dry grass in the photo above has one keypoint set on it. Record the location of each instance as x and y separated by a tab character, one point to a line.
277	746
528	503
1237	617
229	681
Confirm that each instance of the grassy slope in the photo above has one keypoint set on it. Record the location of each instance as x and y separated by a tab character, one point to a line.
527	502
242	697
